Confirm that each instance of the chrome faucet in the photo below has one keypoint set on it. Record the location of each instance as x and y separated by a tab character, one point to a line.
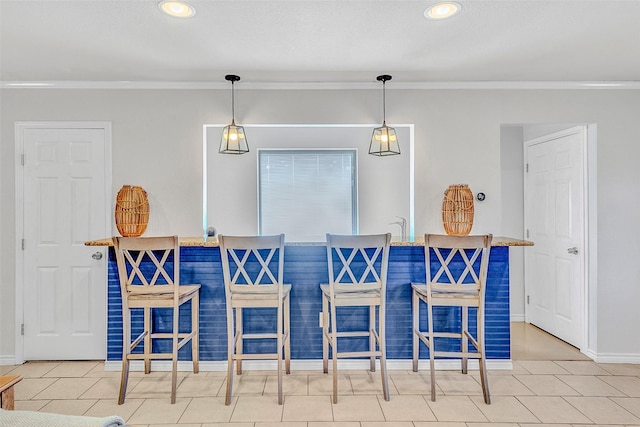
403	225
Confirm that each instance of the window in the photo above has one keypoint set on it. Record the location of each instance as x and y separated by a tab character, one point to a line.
307	193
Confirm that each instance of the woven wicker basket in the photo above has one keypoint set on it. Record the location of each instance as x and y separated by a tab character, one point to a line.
132	211
457	210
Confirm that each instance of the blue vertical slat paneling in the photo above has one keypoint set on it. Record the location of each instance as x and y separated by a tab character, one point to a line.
305	269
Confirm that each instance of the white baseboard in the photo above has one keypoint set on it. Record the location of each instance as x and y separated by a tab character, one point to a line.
308	365
314	365
9	359
614	357
517	317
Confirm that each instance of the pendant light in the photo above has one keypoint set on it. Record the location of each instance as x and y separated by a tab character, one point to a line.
233	139
384	141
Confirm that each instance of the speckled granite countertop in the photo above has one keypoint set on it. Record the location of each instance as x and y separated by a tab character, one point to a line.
213	242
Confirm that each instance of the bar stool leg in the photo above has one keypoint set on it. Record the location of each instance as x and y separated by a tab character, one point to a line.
464	341
239	340
124	378
147	340
432	350
280	345
325	334
287	334
231	340
195	343
483	366
126	349
372	338
174	355
334	352
415	314
383	355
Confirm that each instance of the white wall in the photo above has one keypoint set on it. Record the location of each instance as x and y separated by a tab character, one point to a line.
511	160
383	182
157	144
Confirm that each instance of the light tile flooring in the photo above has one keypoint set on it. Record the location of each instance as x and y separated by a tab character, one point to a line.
551	384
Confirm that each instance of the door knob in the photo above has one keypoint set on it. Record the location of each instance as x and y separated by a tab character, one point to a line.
573	250
97	255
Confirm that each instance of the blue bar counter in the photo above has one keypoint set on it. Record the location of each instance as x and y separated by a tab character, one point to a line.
305	268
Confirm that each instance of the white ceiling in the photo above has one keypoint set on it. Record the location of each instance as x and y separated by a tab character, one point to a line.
327	41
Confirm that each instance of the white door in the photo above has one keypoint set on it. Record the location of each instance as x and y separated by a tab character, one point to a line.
555	222
64	205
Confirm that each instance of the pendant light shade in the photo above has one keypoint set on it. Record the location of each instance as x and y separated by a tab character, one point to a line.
233	139
384	141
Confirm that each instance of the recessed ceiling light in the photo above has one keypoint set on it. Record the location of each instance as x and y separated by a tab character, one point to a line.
179	9
29	84
442	10
602	84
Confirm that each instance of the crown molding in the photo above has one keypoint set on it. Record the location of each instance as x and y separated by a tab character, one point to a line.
465	85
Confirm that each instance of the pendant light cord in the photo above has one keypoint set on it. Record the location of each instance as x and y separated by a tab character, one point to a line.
384	104
233	105
233	79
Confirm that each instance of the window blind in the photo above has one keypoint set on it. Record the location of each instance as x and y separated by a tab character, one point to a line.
307	193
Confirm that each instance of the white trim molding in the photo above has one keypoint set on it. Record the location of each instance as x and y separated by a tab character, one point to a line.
7	359
615	357
535	85
311	365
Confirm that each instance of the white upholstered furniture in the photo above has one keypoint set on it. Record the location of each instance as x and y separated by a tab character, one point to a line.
44	419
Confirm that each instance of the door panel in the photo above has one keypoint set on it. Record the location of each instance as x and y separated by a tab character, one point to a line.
564	295
554	220
64	206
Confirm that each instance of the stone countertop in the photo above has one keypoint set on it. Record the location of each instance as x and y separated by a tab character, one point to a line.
213	242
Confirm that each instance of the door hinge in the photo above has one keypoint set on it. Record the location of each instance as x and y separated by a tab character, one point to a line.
22	244
527	299
527	233
22	329
22	159
527	167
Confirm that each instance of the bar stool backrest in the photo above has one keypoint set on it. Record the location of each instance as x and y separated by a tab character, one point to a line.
457	263
148	265
358	263
252	263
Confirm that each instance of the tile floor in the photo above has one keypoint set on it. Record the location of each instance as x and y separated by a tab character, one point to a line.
551	384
